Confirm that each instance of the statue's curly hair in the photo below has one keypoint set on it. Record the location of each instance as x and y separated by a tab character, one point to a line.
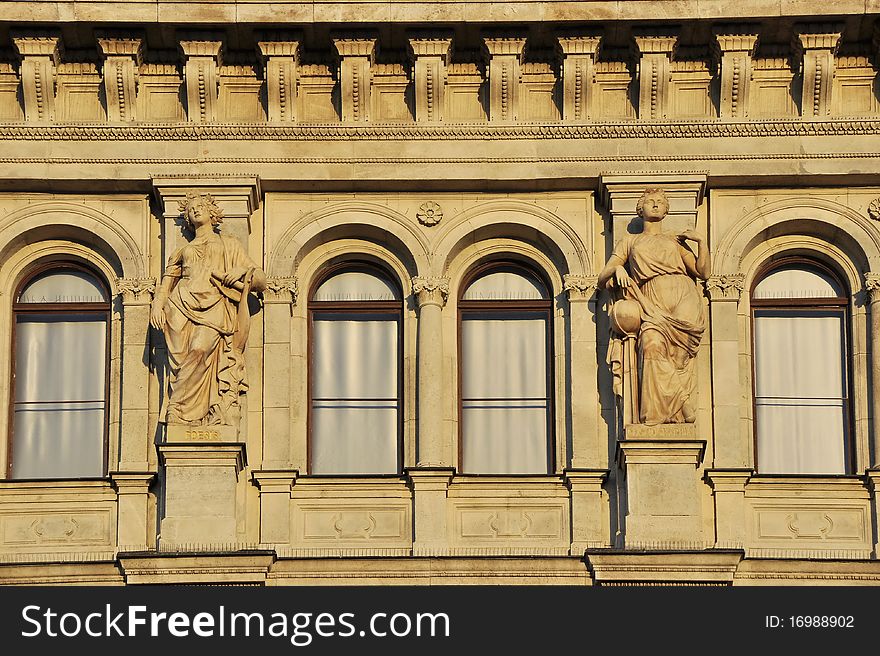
640	203
192	199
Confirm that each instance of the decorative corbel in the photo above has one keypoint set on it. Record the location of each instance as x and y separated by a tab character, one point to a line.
817	45
281	56
281	289
357	55
579	287
655	50
736	47
725	287
122	59
431	55
505	59
40	56
203	59
578	61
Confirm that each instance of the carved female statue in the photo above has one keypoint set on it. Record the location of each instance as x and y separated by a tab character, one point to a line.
201	306
657	271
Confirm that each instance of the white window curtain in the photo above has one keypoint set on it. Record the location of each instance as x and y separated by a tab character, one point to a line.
504	379
355	414
59	408
801	380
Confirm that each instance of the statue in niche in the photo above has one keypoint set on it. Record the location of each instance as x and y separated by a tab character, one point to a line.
652	276
201	306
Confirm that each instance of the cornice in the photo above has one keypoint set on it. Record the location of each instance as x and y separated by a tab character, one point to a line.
450	132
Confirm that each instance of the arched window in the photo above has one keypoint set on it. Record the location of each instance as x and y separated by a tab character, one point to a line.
60	368
800	319
355	364
505	371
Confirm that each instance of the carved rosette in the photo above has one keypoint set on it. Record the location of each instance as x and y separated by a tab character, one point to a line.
725	287
579	287
872	286
136	291
430	290
281	289
429	213
874	209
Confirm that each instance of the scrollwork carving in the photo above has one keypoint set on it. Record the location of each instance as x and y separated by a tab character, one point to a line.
872	286
281	289
136	290
579	287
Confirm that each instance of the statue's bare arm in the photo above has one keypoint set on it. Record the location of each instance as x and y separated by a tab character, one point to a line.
614	273
157	311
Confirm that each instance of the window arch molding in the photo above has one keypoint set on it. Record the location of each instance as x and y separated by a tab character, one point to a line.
14	272
785	248
463	267
312	269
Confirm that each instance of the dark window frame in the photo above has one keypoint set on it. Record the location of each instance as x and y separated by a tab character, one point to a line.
838	303
501	306
390	308
102	310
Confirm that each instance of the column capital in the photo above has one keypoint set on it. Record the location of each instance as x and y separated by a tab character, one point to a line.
121	46
355	46
281	289
431	290
286	46
725	286
430	44
818	37
136	291
736	38
578	44
504	45
651	42
872	285
202	46
38	45
579	287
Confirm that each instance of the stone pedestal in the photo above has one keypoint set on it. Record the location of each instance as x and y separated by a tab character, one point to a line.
275	487
200	494
429	486
134	532
662	486
730	506
590	523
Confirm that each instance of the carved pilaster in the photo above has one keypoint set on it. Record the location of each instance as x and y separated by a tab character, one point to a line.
281	289
282	67
203	58
430	291
136	291
431	55
736	46
122	58
579	288
655	52
357	55
725	287
40	56
817	44
578	60
505	58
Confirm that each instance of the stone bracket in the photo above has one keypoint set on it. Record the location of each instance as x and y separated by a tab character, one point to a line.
122	58
357	55
817	45
578	61
505	59
736	46
281	57
40	57
203	59
656	51
431	55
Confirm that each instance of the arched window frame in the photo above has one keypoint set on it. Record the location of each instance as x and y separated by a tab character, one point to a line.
104	310
841	303
392	308
544	306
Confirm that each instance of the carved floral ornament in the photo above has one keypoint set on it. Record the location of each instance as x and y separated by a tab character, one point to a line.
281	289
874	209
579	288
136	290
872	285
430	213
725	286
430	290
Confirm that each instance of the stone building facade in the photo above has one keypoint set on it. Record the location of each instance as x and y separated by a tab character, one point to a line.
430	146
